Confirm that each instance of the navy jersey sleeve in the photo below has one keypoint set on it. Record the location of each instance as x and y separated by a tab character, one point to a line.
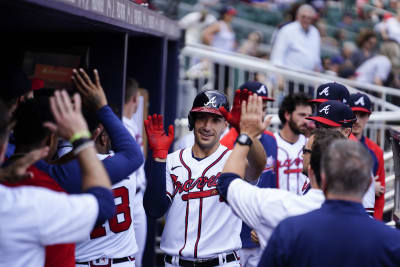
268	176
127	158
155	200
224	180
105	198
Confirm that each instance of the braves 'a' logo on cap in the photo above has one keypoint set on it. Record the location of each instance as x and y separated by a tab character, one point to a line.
212	102
360	101
325	109
325	91
262	89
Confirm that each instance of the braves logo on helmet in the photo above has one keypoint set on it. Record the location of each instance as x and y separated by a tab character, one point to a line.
325	109
212	102
325	91
207	101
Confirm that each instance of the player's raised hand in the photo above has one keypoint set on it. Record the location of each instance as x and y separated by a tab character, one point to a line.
67	116
92	92
233	117
159	141
252	120
379	188
17	171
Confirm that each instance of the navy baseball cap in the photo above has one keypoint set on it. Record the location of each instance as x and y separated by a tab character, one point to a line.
228	10
331	91
257	88
335	114
360	102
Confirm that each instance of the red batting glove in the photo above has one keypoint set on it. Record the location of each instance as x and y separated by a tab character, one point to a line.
159	141
233	117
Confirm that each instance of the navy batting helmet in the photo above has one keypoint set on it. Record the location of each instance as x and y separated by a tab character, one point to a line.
207	101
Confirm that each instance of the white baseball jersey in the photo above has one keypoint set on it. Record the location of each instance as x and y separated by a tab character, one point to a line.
290	165
264	208
132	128
139	214
116	237
368	200
33	217
198	223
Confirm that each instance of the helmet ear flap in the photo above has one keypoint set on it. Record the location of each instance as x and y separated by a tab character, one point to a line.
191	121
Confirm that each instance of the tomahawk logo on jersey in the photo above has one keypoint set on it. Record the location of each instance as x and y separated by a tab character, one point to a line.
208	225
290	165
116	237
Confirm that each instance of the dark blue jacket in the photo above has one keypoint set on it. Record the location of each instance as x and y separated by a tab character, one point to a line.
340	233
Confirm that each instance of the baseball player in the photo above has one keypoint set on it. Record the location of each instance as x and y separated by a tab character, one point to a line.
35	217
116	246
290	139
263	208
361	106
200	228
29	133
139	215
339	116
112	243
331	91
251	252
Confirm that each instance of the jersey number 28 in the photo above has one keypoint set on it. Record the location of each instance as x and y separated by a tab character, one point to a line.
122	208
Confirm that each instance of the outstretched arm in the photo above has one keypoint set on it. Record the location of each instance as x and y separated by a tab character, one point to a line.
251	124
247	120
127	157
69	122
155	200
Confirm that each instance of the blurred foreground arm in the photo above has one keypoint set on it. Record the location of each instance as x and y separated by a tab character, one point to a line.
69	122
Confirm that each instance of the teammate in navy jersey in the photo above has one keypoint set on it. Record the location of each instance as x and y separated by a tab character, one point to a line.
251	252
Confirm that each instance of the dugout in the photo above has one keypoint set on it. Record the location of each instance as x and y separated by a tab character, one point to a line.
118	37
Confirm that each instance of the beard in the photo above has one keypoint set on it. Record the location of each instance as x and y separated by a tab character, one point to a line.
293	126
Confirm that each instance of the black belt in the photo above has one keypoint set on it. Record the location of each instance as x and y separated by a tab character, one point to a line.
118	260
202	263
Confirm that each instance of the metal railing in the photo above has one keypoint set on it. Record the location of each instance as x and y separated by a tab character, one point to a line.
198	66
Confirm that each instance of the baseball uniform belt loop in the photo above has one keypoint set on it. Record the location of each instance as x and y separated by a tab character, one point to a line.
117	260
202	263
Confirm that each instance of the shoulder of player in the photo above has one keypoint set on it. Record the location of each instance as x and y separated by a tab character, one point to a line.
268	140
268	133
173	157
373	146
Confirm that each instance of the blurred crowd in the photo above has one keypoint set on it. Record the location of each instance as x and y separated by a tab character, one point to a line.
356	40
